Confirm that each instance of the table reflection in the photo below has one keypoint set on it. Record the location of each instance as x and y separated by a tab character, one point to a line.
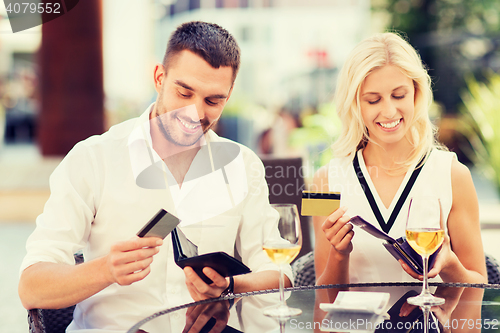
468	308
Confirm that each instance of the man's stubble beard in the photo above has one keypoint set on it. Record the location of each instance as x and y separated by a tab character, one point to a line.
165	130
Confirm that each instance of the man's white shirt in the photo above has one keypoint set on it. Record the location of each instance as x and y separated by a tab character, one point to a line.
110	185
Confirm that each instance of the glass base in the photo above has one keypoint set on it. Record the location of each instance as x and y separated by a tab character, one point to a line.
282	312
425	300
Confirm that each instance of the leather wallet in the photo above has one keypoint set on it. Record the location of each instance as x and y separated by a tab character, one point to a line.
208	326
412	323
186	254
399	248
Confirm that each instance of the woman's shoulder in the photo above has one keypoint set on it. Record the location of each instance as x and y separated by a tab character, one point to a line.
440	154
339	162
332	168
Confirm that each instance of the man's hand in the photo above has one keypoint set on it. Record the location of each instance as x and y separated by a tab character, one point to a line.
199	290
198	316
129	261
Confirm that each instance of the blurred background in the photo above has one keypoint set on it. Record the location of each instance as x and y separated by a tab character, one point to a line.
91	68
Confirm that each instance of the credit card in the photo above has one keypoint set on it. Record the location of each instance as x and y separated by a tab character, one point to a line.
160	225
319	203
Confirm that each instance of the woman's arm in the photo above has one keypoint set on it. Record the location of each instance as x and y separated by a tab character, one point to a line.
332	240
466	262
331	249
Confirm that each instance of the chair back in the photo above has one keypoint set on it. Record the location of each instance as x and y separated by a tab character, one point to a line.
285	181
52	320
493	269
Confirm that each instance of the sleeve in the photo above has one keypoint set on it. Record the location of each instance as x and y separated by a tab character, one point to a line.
64	226
259	220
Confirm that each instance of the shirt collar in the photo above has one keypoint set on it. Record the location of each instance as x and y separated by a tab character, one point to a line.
146	164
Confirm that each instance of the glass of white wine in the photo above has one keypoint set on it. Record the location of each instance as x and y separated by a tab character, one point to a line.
282	248
425	234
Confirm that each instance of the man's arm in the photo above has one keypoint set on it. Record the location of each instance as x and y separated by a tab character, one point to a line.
199	290
49	285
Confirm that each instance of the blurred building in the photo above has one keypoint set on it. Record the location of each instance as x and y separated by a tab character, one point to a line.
291	49
19	102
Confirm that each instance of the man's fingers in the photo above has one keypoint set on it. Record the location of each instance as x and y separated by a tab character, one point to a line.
217	312
130	261
218	280
202	290
128	279
196	321
194	280
123	258
219	326
136	243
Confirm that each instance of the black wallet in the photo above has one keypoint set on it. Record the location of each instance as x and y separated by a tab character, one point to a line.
186	254
413	323
208	326
399	248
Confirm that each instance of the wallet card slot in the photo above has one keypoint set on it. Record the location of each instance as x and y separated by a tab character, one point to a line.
403	253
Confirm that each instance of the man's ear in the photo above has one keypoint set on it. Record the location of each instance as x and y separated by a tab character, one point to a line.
230	92
159	76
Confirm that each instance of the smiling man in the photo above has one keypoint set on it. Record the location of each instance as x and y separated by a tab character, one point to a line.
109	186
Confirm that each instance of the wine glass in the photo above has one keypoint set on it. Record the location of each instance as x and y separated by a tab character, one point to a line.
425	234
282	247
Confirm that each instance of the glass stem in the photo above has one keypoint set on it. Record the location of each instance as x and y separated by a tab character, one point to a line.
282	326
425	291
282	287
426	311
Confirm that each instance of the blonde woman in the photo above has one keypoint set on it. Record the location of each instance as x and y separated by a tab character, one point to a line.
383	97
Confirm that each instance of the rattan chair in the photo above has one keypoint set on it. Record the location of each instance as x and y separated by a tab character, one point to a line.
493	268
304	274
52	320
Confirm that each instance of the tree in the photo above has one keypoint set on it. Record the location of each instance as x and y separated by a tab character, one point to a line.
453	37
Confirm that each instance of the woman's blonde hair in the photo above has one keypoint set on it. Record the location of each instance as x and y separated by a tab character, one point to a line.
370	54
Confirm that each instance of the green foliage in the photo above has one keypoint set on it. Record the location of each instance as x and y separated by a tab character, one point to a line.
417	16
481	123
319	130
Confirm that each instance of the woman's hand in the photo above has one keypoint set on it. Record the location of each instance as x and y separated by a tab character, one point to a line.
444	258
442	312
338	231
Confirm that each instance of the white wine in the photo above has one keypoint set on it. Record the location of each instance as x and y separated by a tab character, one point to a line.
282	253
425	241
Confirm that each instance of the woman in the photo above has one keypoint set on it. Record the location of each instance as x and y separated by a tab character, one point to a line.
383	97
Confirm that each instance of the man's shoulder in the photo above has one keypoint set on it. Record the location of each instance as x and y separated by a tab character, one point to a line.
245	151
116	134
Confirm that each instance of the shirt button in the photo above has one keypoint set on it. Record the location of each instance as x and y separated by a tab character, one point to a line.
174	290
176	315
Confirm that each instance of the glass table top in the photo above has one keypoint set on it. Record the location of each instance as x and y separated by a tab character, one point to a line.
468	308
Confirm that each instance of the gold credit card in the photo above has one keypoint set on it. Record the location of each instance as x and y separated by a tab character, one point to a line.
319	203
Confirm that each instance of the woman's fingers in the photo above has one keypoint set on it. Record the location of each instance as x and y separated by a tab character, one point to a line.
339	231
333	218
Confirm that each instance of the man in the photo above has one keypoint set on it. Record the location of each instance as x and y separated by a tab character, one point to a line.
110	185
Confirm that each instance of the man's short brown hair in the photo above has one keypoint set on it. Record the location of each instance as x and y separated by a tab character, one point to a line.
208	40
